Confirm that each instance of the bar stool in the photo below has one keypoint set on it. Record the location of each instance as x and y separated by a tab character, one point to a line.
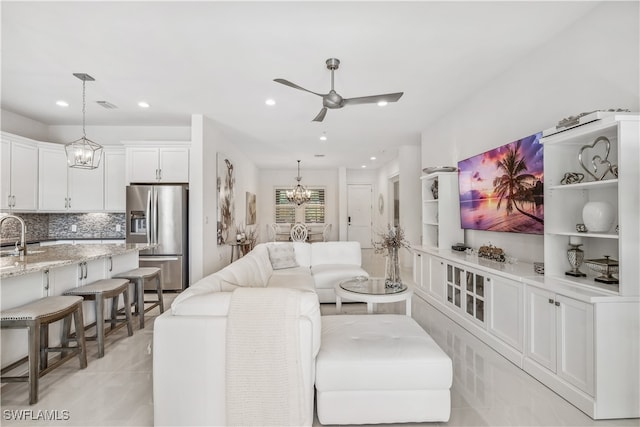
36	317
97	292
138	277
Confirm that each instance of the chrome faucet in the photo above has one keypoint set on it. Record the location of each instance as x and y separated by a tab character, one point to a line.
23	233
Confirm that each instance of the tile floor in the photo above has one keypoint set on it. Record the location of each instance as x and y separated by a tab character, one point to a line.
116	390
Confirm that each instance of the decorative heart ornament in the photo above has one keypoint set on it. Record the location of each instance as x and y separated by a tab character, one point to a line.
599	165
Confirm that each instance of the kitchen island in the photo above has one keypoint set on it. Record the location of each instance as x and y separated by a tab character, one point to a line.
52	270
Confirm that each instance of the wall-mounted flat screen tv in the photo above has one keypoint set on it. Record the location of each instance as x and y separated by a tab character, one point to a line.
501	189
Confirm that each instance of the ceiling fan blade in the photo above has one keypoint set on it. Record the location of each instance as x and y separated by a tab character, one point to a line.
295	86
321	114
373	99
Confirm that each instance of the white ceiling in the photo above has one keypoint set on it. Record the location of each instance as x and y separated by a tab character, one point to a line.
220	58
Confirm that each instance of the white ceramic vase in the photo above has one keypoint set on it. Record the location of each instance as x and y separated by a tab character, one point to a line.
598	217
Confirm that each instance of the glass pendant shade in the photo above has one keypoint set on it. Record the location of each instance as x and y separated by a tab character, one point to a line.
83	153
298	195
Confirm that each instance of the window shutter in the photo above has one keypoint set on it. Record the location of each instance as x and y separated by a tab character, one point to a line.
285	212
314	210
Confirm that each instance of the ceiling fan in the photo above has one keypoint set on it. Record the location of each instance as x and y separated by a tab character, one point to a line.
334	100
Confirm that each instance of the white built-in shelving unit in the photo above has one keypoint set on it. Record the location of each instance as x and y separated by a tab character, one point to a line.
441	216
564	202
579	337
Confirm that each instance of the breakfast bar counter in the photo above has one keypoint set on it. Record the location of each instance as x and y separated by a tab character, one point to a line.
51	271
45	257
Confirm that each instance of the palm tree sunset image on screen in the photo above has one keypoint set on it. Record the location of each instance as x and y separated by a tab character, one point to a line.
501	189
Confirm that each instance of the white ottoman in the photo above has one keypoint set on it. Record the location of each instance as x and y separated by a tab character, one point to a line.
380	369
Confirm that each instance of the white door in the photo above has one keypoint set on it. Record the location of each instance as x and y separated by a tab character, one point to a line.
114	181
142	165
5	175
359	207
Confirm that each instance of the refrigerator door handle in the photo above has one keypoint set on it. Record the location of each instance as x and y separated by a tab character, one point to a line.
155	217
158	258
148	218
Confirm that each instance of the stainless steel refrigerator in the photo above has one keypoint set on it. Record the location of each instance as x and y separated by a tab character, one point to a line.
159	214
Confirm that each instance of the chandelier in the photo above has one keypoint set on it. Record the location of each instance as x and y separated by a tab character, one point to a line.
298	194
83	153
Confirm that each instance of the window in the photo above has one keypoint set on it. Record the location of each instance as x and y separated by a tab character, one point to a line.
312	212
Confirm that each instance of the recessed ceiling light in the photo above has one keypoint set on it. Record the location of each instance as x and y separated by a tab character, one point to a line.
372	158
323	138
270	102
318	155
62	103
363	166
143	104
382	103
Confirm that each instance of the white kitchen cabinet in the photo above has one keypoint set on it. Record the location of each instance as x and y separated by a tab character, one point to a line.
52	168
436	278
68	189
168	163
560	336
19	186
114	180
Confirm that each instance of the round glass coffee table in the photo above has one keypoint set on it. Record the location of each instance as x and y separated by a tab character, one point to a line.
372	291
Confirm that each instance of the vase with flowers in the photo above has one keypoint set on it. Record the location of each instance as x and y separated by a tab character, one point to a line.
390	245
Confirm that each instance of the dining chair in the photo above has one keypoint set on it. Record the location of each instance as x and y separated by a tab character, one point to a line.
299	233
325	232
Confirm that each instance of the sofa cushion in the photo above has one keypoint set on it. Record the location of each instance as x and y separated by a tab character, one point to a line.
336	253
282	256
327	275
301	280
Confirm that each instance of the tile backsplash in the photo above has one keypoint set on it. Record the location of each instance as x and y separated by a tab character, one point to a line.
42	226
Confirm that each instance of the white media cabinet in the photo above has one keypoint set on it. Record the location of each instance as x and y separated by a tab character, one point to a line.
579	337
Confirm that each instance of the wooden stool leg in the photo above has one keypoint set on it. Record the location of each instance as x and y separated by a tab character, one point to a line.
114	311
66	333
140	305
127	311
44	343
99	305
80	341
34	351
159	290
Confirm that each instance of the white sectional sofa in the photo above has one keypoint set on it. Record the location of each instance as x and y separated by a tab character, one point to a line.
189	346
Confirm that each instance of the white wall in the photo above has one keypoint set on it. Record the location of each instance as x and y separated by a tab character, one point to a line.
113	135
208	139
594	64
23	126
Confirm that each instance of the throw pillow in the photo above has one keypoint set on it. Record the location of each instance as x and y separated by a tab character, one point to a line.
282	256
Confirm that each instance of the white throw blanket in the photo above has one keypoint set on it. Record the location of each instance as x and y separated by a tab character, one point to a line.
264	384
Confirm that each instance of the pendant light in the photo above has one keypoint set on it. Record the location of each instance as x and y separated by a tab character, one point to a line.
298	194
83	153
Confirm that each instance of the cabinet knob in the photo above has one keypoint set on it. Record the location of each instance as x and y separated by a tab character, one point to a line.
557	304
551	301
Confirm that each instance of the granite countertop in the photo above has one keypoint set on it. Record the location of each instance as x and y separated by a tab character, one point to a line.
42	258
